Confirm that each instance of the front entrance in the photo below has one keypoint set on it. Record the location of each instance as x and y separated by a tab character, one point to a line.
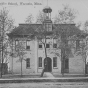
48	64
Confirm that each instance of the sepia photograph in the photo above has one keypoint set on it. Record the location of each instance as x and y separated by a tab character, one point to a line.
43	43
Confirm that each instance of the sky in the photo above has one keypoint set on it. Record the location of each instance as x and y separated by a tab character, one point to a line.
20	9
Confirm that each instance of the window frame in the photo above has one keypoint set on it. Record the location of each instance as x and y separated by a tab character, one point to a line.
54	45
27	45
77	45
54	62
49	27
40	64
39	46
47	44
27	63
66	63
40	43
16	43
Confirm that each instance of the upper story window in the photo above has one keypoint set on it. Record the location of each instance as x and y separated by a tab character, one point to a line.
40	45
47	43
77	44
54	43
48	26
28	44
16	44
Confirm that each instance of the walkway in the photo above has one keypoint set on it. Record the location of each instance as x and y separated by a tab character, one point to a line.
49	75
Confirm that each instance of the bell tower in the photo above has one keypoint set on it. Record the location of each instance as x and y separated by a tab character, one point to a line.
47	20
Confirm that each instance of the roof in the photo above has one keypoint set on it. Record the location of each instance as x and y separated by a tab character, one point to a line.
47	9
27	29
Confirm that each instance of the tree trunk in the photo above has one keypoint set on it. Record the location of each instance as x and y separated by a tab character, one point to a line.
2	60
21	66
63	51
62	62
12	56
45	57
85	67
3	26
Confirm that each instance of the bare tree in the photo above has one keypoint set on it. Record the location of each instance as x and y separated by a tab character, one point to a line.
20	51
66	33
6	24
83	50
42	35
86	26
29	19
40	17
65	16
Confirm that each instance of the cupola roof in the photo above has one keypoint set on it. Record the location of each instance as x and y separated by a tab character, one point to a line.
47	9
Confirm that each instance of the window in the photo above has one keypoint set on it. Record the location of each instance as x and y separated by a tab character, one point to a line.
47	45
54	61
27	62
77	44
66	64
40	61
28	44
48	26
40	45
54	43
16	43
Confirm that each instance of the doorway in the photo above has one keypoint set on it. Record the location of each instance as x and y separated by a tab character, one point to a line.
48	64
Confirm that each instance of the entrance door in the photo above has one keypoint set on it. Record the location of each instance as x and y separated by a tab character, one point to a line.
48	64
66	65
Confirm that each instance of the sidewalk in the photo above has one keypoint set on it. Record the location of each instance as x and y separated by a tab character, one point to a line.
31	80
46	78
